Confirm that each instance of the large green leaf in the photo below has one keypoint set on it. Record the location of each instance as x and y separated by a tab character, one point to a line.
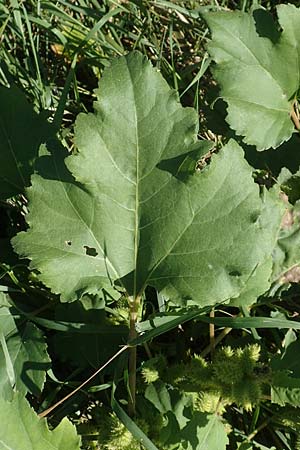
23	355
259	75
21	133
22	429
138	212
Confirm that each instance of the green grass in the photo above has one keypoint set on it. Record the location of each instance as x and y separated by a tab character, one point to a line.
56	51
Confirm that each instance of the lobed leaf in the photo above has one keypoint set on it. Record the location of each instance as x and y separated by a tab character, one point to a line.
130	208
192	430
259	74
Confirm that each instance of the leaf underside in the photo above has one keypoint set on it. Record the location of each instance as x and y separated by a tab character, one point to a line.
259	75
129	207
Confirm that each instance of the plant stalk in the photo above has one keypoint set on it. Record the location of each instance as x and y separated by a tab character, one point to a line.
295	116
212	341
133	316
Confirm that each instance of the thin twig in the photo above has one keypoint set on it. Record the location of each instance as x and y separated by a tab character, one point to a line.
47	411
218	339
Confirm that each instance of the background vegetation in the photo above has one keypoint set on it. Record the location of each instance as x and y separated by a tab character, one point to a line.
55	53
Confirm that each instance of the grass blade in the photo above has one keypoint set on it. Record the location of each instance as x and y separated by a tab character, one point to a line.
136	432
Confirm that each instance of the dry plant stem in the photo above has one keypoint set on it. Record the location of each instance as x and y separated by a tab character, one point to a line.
134	304
218	339
212	334
48	411
294	116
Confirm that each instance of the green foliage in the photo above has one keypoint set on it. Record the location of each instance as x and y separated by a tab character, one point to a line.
22	131
258	71
234	376
23	355
123	225
183	427
286	379
23	429
139	226
152	368
114	435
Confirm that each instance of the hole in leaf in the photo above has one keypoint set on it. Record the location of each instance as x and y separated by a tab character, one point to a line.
68	242
235	273
90	251
255	216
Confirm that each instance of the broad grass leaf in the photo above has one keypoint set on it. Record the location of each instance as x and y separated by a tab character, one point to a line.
22	131
259	75
23	429
130	208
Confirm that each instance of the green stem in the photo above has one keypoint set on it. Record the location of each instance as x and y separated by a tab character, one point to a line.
212	341
133	315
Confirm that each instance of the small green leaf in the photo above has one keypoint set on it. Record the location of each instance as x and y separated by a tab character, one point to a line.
285	389
205	432
245	446
259	79
287	360
25	430
159	396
